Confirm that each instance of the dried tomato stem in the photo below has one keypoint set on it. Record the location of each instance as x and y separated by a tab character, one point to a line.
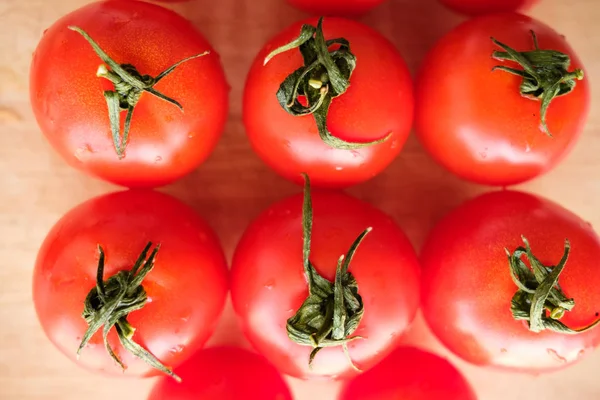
539	299
109	303
325	75
332	311
129	86
545	74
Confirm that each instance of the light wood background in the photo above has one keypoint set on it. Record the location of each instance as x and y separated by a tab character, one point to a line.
36	187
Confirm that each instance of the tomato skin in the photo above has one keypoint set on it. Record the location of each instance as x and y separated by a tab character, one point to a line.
467	287
336	7
164	143
268	284
493	135
187	286
478	7
291	145
224	373
409	373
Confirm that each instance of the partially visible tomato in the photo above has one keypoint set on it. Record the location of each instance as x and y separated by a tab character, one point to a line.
476	7
377	105
224	373
164	142
185	290
269	284
476	122
409	374
336	7
467	286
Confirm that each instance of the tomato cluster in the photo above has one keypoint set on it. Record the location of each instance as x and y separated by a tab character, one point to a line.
324	285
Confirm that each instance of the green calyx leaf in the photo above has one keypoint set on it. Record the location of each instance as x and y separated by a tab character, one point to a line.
129	85
325	75
110	302
539	299
545	74
332	311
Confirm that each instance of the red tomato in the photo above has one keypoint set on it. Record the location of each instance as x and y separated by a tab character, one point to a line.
378	102
336	7
409	374
186	290
467	286
475	7
224	373
475	122
269	284
68	98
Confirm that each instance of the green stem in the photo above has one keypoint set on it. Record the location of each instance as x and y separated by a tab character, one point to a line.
324	76
545	74
332	311
539	299
129	86
111	301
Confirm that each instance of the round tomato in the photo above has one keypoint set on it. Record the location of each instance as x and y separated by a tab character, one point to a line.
164	275
82	102
476	7
224	373
495	132
338	135
473	304
409	374
311	313
336	7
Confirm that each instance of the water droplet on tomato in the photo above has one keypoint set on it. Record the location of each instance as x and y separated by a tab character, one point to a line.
269	285
355	153
158	159
177	349
83	153
585	225
149	299
339	168
581	353
45	30
503	350
394	144
527	148
191	135
554	354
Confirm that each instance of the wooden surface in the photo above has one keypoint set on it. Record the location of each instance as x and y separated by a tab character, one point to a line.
36	187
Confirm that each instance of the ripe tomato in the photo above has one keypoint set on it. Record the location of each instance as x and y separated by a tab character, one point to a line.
476	7
467	285
185	290
224	373
409	374
269	285
336	7
378	103
71	106
494	134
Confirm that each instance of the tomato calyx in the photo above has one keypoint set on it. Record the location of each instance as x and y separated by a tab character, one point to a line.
540	300
109	303
332	311
325	75
545	74
129	85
